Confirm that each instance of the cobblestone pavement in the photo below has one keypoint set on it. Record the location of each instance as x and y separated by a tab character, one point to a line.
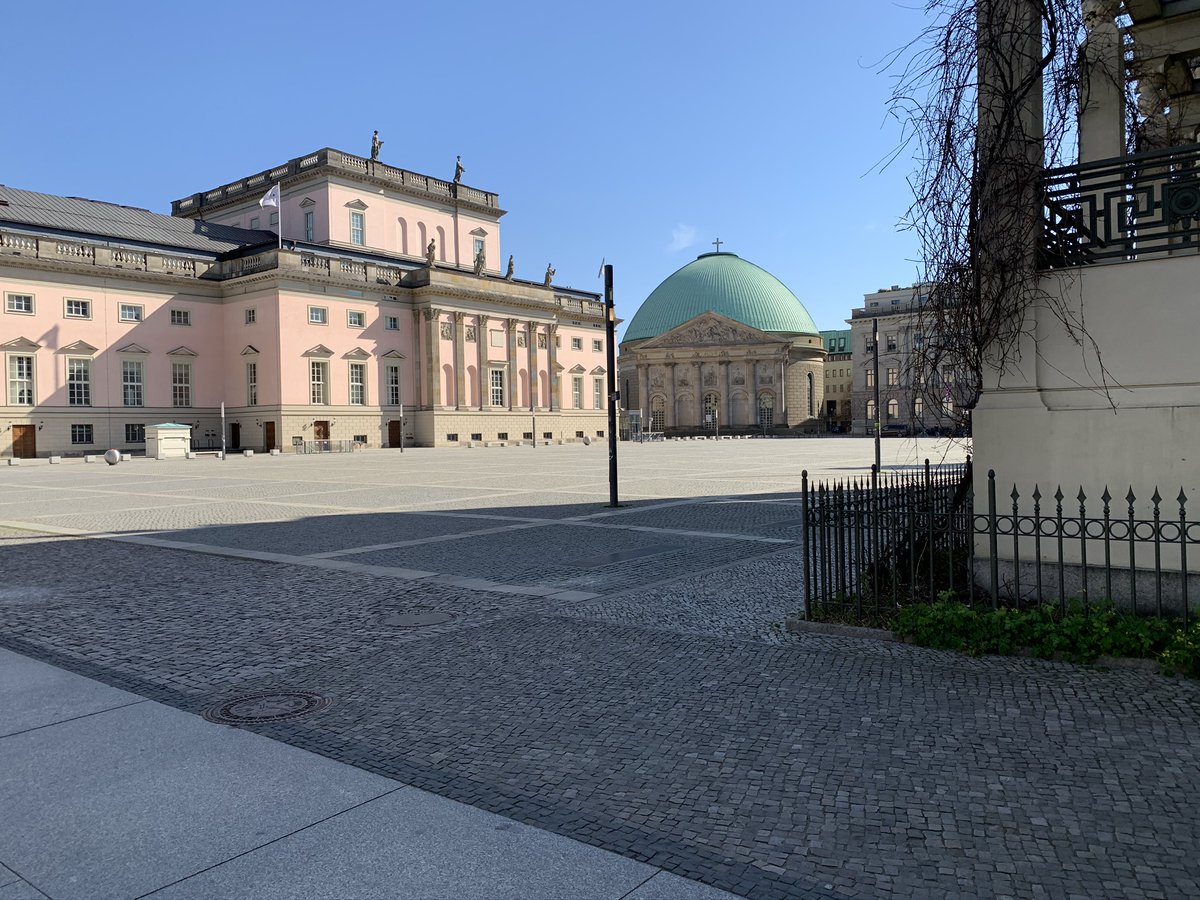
618	676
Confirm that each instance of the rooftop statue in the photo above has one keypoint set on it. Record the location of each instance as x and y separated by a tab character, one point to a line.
376	144
508	276
430	252
458	170
549	275
480	262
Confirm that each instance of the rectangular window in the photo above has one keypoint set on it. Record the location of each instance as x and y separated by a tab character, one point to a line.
250	316
452	437
79	309
129	312
254	224
891	343
478	247
357	229
358	384
318	315
497	387
274	220
356	319
318	379
251	384
309	221
393	385
181	317
597	346
132	390
20	381
502	435
19	303
79	382
81	434
870	378
577	391
181	384
597	393
391	323
135	434
576	343
893	376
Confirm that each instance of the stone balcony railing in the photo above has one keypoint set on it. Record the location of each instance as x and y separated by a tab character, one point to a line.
102	256
335	161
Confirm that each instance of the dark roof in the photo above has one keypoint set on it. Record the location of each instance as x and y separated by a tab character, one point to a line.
110	221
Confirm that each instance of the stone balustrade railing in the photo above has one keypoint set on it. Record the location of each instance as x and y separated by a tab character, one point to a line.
102	255
257	184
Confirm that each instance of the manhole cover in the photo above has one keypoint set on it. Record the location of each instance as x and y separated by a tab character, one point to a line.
417	619
275	706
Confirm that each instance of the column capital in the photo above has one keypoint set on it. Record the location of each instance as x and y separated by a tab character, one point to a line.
459	315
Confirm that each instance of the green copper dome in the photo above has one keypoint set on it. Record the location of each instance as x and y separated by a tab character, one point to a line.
724	284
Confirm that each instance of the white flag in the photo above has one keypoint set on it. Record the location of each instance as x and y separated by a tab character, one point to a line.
270	198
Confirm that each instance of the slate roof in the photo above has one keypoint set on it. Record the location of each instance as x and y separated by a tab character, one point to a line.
110	221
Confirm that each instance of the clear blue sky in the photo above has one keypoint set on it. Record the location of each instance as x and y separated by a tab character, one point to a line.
636	132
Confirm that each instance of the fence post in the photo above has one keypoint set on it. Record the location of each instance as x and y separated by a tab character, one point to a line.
1016	545
804	536
992	548
1130	498
1183	539
1082	497
1156	499
1106	497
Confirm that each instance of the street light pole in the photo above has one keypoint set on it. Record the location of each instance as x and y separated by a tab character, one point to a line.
614	396
875	339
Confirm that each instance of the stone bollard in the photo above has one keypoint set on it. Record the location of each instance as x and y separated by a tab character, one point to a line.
247	453
55	460
276	452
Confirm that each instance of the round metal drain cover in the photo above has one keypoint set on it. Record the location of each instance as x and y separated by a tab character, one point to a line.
275	706
418	619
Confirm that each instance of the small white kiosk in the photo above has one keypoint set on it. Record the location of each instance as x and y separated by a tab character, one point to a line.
169	440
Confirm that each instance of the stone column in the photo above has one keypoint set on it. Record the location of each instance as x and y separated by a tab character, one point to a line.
460	369
481	345
433	371
552	347
510	326
727	412
783	407
643	377
531	341
419	392
1102	104
669	417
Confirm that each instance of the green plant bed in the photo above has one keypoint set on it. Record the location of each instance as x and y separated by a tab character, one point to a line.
1077	634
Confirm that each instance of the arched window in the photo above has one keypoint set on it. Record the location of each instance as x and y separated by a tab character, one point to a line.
871	412
918	407
712	404
766	410
658	418
893	409
812	398
402	236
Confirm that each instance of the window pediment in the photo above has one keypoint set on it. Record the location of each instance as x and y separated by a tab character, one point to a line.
182	351
307	203
132	348
79	348
577	370
250	350
357	353
479	232
394	354
356	204
599	370
320	352
21	344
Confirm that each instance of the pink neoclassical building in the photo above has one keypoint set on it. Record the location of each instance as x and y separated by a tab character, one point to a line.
389	312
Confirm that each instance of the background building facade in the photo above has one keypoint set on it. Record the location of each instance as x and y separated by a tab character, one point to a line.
839	379
382	317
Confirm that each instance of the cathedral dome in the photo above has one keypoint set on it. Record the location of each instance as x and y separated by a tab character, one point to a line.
725	284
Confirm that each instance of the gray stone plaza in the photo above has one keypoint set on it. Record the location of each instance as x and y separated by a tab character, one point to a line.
618	677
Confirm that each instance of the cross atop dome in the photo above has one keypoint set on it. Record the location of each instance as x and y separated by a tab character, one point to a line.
717	243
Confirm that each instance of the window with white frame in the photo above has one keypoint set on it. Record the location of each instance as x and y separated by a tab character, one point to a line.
181	384
318	315
19	303
391	323
870	378
597	393
273	220
478	247
576	343
497	387
893	376
251	384
135	433
918	407
891	342
254	224
20	381
78	309
577	391
358	233
358	384
870	412
132	381
181	317
309	223
250	316
356	319
130	312
318	381
79	382
393	384
82	434
597	346
893	409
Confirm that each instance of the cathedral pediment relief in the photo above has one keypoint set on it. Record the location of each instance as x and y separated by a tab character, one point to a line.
712	330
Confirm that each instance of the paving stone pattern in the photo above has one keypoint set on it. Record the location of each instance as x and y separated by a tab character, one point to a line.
670	718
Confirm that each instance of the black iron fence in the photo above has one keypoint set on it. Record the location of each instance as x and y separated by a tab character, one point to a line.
871	546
